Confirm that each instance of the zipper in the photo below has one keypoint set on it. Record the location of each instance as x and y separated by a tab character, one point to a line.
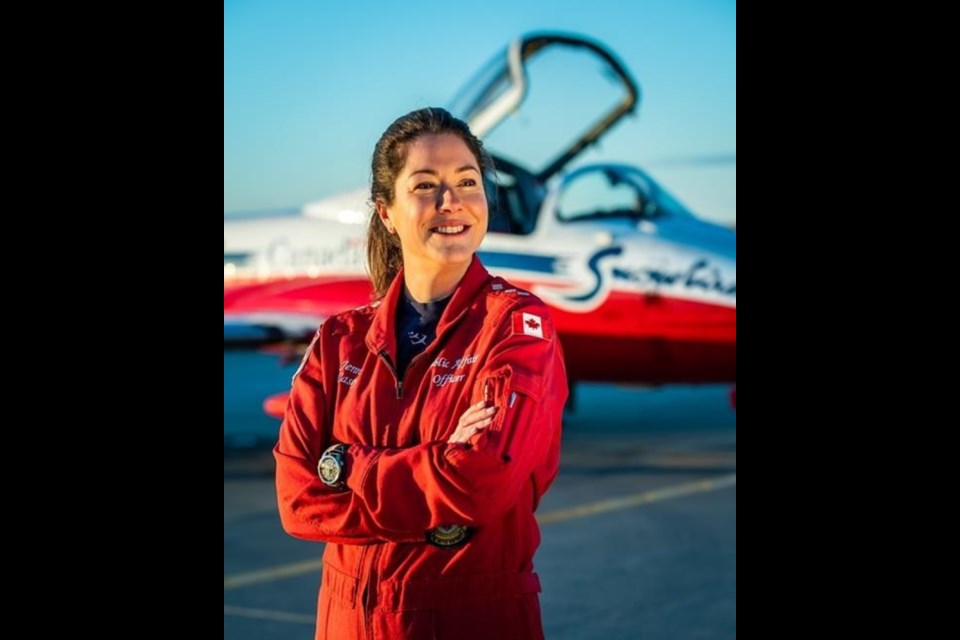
363	595
366	599
386	360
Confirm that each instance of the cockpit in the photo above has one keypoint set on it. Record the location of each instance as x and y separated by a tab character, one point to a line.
514	197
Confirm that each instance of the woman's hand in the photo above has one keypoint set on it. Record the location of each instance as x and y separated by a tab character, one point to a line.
476	418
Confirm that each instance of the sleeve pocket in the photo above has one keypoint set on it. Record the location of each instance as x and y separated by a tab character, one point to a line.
528	385
503	389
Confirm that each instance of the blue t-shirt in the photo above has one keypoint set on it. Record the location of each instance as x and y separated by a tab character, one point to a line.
416	327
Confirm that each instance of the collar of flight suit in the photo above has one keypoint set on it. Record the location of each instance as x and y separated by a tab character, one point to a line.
382	333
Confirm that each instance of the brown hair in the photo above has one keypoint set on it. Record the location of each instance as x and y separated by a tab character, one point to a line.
384	258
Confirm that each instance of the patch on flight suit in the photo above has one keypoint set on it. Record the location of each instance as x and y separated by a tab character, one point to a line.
453	535
529	324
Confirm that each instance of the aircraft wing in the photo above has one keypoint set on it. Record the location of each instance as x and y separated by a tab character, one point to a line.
264	313
256	329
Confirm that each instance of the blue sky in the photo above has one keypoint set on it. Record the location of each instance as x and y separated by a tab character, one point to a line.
308	86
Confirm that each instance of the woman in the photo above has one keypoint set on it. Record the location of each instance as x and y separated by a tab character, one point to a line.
423	429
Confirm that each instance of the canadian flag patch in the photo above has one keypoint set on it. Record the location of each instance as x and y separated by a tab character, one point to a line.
529	324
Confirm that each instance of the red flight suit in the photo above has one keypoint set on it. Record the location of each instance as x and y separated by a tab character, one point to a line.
381	577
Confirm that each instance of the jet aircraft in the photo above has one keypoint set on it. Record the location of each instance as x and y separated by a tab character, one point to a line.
642	290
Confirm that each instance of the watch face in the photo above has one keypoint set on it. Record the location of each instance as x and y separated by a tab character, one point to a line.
448	536
329	469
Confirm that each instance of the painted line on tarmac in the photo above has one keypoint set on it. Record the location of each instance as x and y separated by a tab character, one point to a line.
560	515
636	499
266	614
271	574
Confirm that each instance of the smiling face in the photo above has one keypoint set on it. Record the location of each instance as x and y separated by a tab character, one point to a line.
439	209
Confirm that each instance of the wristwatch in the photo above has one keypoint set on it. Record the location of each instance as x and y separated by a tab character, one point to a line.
332	467
449	536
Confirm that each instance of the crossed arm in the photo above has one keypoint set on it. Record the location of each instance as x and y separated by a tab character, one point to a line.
397	495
